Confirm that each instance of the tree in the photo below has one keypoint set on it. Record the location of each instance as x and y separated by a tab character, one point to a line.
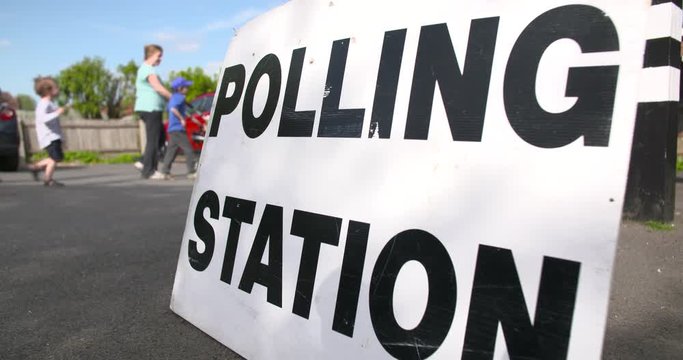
90	87
201	83
26	102
128	74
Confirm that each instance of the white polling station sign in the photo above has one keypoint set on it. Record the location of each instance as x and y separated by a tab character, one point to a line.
415	178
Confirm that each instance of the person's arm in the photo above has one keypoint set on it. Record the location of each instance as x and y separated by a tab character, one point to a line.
178	115
199	123
194	120
157	86
43	116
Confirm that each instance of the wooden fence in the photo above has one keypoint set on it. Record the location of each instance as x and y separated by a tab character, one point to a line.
103	136
110	136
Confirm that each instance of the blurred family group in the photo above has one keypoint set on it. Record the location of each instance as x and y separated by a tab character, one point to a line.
152	98
150	102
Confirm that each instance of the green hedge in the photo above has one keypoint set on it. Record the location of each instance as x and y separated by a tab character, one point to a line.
91	157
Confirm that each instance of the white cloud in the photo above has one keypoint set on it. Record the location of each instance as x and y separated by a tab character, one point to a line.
165	36
213	68
235	21
187	45
178	41
184	41
5	43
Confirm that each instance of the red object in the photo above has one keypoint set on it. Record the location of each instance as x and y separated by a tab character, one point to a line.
7	114
199	109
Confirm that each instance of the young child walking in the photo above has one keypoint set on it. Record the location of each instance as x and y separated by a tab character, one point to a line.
177	137
48	130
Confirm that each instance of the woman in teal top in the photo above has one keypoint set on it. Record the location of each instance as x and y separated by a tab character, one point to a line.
150	97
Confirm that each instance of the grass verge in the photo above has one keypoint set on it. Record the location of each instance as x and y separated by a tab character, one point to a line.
659	226
91	157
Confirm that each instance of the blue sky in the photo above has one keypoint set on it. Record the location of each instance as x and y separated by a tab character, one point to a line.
42	37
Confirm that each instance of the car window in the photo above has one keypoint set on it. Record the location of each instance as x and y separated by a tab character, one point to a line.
196	105
209	102
203	104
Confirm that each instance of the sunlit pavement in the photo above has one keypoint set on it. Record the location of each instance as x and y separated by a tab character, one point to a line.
98	175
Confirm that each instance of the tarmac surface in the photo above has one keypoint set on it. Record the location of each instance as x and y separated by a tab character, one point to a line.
86	272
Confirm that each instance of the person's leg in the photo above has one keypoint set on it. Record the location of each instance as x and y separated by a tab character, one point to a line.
52	152
38	166
158	121
141	127
171	151
146	161
184	143
162	140
50	166
56	154
152	128
42	163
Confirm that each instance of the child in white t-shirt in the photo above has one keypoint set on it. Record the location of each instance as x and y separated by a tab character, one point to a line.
48	130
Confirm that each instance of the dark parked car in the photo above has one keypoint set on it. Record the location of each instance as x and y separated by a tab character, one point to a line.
9	135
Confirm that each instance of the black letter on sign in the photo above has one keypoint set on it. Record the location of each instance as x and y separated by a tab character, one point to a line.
595	87
425	339
255	126
349	280
225	105
497	297
464	95
238	211
269	232
335	122
315	229
292	122
200	261
387	83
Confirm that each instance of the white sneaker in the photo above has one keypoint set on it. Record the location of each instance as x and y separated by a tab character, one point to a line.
158	176
138	165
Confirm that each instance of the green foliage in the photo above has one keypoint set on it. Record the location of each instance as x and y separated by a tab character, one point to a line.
128	74
90	157
679	164
85	157
201	83
26	102
91	88
38	156
659	226
88	84
121	159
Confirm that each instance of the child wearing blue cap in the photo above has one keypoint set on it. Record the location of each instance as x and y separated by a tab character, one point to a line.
177	137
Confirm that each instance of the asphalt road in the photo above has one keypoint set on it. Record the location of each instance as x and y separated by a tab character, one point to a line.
86	272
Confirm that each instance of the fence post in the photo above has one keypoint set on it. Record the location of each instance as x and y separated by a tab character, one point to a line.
24	140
